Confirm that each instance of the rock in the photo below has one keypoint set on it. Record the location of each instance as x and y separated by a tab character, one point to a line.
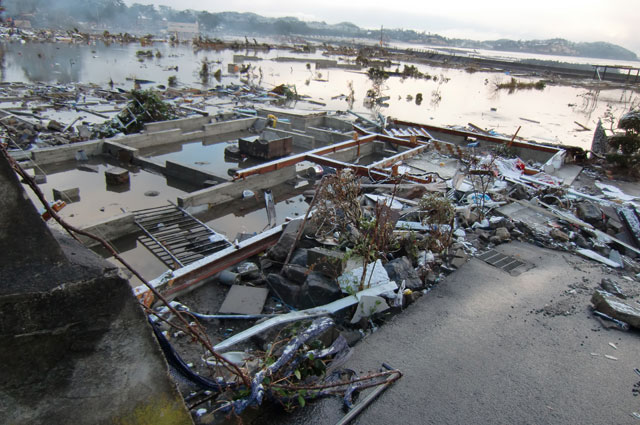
40	178
89	168
412	297
582	242
67	195
54	126
84	131
319	290
616	257
559	235
586	211
280	287
520	193
281	249
413	193
496	222
116	176
299	257
612	288
265	263
351	336
401	269
325	261
459	258
432	278
295	273
248	270
503	234
615	307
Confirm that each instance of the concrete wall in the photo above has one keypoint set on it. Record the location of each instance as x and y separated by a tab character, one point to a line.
226	192
300	141
75	347
280	125
298	120
192	175
66	153
228	126
110	229
326	137
185	124
350	154
169	135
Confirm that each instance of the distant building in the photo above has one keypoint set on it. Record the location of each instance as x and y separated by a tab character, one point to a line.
183	30
22	23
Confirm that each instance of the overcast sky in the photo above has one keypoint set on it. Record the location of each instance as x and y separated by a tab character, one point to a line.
615	21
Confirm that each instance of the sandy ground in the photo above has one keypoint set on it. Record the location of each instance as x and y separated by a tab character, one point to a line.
485	347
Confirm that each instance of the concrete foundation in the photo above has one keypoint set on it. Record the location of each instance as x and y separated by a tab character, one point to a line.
226	192
75	347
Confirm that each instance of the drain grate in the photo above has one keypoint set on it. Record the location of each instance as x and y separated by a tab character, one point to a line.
509	264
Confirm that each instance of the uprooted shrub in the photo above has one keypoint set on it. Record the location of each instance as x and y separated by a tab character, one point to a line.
338	212
627	144
437	211
145	106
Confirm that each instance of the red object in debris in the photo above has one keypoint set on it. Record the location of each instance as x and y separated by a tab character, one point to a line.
520	165
56	206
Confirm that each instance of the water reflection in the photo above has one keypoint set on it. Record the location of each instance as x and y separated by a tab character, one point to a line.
46	62
466	97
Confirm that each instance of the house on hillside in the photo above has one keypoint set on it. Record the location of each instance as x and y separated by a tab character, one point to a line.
182	30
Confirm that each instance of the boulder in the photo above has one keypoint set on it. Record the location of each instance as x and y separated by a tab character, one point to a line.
617	308
116	176
586	211
503	234
559	235
67	195
54	126
318	290
582	242
299	257
287	291
295	273
612	288
401	269
281	249
459	258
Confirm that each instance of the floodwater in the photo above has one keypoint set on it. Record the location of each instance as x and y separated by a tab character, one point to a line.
207	154
454	97
99	201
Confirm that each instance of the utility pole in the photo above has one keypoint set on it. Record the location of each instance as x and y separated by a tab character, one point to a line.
381	42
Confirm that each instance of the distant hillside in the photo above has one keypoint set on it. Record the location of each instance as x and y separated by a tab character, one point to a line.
139	18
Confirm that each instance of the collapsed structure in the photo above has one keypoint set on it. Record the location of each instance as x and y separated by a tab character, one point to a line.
288	236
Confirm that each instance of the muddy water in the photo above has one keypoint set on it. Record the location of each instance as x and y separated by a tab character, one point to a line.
99	201
454	97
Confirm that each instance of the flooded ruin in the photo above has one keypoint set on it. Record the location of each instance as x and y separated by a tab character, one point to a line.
261	209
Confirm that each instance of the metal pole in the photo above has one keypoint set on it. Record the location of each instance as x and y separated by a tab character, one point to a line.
366	401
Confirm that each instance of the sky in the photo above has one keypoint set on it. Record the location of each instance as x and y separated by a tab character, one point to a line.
614	21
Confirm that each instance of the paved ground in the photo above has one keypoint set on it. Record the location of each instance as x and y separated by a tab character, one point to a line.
479	350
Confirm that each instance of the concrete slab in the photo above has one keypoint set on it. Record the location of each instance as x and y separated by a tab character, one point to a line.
567	173
244	300
479	348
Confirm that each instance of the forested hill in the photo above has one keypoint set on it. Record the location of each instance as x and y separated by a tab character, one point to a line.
116	15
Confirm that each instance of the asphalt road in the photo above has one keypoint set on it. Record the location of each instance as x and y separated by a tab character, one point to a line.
479	349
